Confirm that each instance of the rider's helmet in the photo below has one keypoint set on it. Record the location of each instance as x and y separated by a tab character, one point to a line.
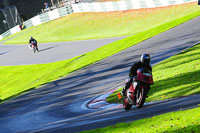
145	58
31	38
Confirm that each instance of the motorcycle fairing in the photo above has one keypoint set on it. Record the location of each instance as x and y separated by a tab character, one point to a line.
144	77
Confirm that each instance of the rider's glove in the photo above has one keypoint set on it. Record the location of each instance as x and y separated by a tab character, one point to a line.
131	78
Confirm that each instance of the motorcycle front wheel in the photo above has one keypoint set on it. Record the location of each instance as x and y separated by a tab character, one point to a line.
140	96
126	105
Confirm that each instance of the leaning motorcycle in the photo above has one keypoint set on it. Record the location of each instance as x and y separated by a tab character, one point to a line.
137	94
32	46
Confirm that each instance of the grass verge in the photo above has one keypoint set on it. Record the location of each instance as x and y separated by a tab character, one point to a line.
186	121
177	76
82	26
13	81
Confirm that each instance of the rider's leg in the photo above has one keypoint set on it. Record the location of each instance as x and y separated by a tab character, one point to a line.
37	48
135	84
127	85
148	90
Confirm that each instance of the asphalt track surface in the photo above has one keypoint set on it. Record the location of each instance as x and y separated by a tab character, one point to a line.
20	54
61	106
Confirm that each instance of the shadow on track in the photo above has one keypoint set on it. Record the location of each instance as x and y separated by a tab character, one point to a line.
48	48
4	53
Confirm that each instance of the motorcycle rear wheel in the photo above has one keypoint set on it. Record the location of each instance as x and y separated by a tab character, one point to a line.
126	105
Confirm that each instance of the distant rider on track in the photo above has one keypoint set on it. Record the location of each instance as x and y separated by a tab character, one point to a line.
32	40
144	63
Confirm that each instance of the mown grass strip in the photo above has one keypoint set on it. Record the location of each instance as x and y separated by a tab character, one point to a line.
16	79
83	26
177	76
186	121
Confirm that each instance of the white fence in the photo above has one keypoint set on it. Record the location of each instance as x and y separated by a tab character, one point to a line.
125	5
45	17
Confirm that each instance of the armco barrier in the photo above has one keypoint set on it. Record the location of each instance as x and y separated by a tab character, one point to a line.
10	32
53	15
94	7
35	21
29	23
65	11
45	17
125	5
7	33
39	19
15	29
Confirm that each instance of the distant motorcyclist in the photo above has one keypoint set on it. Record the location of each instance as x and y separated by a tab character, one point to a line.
32	40
144	63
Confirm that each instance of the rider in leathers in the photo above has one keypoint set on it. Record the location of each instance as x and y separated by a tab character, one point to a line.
144	63
34	42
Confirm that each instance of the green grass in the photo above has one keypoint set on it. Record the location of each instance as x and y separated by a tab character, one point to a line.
82	26
177	76
187	121
20	33
13	81
16	79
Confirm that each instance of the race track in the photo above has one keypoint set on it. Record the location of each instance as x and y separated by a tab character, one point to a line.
61	106
20	54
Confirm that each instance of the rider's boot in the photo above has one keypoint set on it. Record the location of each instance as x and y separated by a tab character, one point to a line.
125	89
37	49
127	85
123	92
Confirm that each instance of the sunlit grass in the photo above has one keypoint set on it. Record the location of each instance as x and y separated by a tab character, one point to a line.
82	26
177	76
16	79
176	122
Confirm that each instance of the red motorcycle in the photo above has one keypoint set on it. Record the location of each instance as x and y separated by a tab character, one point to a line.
33	46
137	96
